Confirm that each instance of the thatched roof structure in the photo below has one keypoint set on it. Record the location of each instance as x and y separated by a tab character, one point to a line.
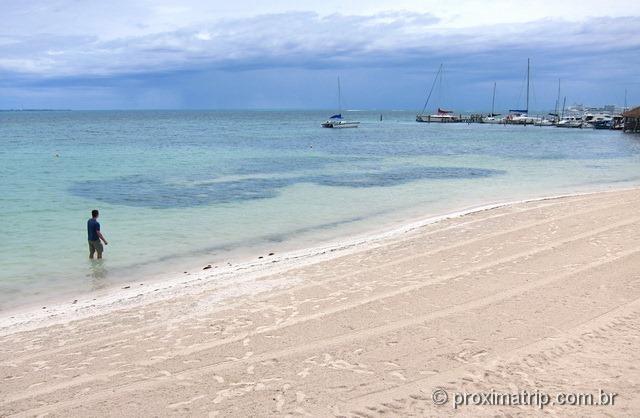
633	113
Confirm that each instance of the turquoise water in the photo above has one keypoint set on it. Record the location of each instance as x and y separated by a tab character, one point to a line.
178	189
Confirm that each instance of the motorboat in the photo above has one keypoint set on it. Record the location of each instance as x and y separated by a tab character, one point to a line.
570	122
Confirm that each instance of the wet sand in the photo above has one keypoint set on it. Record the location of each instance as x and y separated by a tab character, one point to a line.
539	296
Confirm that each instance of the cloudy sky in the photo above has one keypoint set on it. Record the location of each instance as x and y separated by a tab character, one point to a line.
87	54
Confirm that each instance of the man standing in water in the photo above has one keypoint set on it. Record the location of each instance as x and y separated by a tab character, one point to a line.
93	230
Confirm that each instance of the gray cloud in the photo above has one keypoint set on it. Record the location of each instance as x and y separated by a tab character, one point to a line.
268	38
291	59
303	39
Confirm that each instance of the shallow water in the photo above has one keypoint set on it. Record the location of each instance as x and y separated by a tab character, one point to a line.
178	188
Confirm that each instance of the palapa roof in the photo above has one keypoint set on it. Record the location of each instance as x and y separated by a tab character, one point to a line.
633	113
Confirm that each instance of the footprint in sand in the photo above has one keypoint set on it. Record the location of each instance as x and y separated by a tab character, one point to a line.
300	397
304	373
398	375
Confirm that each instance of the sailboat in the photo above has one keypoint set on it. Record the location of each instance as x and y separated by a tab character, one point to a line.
521	116
441	115
556	111
555	116
492	116
336	121
569	121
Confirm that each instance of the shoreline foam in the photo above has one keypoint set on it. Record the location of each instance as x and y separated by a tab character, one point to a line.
136	293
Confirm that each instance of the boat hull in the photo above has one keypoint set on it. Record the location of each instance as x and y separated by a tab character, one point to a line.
340	125
437	119
603	124
575	125
522	120
492	120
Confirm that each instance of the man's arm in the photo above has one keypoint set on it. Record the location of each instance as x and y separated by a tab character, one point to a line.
101	237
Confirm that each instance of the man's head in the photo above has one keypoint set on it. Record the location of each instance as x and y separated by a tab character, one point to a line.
95	213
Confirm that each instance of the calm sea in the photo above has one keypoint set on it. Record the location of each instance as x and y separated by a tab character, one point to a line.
177	189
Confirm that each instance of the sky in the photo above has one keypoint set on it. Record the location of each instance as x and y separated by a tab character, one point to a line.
285	54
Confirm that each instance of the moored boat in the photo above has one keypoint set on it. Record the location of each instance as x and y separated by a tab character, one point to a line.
570	122
602	124
598	121
336	121
617	123
441	115
544	122
493	117
521	116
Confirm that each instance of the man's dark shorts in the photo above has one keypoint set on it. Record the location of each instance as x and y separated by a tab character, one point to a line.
95	246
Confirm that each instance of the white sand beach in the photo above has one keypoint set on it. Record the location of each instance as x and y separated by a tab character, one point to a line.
536	296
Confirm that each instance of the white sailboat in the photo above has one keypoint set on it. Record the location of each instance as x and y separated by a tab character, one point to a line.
336	121
572	120
441	115
493	117
521	116
555	115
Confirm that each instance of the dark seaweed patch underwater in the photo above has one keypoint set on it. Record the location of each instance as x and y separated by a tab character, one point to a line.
141	191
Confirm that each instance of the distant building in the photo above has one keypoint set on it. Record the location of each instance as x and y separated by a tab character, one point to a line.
632	120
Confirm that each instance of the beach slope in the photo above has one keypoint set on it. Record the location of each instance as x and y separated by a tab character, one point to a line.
539	296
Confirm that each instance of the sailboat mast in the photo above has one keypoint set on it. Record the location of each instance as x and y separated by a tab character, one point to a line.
625	99
528	73
435	80
558	101
564	103
493	100
339	98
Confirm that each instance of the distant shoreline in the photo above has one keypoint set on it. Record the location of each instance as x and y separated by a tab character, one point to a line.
35	110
